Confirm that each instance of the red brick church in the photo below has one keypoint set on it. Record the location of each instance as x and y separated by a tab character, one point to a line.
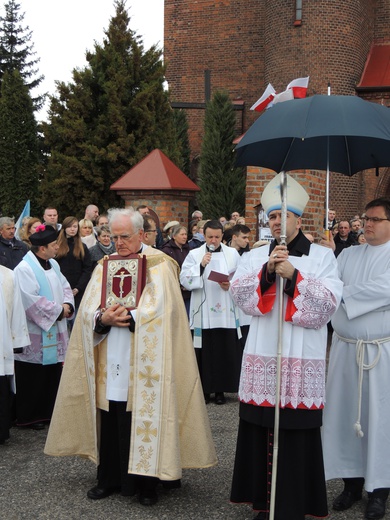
242	45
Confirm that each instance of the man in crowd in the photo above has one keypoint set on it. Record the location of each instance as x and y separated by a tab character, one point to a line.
14	336
130	397
240	238
50	216
213	317
357	415
102	220
150	231
356	226
11	250
331	219
48	302
91	213
312	292
343	238
144	210
197	215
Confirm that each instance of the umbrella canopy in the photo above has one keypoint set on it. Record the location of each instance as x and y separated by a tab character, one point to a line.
344	134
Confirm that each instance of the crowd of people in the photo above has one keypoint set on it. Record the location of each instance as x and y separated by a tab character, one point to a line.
128	385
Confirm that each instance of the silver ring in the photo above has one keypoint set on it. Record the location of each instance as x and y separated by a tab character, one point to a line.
276	255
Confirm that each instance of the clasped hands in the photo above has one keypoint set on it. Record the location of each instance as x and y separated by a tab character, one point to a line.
115	316
278	263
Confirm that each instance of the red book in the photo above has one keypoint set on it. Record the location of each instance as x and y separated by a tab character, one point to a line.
123	280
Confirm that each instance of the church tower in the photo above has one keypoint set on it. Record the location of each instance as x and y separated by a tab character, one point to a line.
242	45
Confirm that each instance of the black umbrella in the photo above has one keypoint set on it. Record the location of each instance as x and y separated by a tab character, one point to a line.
343	133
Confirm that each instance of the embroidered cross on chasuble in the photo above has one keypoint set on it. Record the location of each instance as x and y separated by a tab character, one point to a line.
123	280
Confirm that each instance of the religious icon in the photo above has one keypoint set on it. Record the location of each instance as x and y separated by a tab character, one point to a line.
123	280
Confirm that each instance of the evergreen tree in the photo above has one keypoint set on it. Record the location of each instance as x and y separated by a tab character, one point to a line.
112	114
183	142
222	184
19	155
16	50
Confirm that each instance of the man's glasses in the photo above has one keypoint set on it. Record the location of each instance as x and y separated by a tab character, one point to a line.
374	220
151	231
124	238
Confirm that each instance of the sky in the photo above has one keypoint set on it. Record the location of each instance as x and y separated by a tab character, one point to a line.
63	31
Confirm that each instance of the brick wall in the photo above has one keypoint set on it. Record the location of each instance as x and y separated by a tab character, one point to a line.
167	205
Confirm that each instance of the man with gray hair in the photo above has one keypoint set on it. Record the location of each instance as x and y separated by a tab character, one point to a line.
130	397
11	250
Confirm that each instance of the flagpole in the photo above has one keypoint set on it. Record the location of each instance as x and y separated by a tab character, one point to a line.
275	451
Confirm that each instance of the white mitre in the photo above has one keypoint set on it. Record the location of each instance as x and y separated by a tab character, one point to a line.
297	198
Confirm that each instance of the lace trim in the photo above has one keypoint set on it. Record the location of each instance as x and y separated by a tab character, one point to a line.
303	381
244	293
315	304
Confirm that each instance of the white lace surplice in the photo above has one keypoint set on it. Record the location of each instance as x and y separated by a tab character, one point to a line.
304	338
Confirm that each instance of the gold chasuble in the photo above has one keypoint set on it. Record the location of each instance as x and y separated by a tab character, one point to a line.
170	428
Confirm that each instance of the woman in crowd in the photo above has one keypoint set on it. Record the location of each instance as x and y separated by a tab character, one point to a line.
28	229
177	248
74	258
198	238
103	246
86	232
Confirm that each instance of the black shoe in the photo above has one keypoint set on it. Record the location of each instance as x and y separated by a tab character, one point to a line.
207	398
345	500
37	426
220	398
171	484
148	498
96	493
261	516
376	508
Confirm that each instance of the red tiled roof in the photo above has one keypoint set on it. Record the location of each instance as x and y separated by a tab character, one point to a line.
377	69
155	172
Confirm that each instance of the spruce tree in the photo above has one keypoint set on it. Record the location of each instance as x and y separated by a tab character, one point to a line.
19	154
17	51
113	113
222	184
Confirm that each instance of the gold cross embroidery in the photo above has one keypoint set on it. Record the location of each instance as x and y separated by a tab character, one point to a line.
147	431
149	376
49	335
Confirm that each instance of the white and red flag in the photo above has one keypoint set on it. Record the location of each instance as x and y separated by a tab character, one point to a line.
283	96
299	87
265	99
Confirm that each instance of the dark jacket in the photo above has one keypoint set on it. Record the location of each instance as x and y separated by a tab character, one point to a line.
179	254
342	244
76	271
12	252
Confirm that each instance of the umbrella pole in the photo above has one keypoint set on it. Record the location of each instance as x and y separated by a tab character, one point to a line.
327	232
275	452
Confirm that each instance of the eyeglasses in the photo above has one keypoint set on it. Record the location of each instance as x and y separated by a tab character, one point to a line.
151	231
124	238
374	220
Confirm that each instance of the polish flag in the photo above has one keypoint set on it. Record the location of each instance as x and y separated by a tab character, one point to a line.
283	96
299	87
265	99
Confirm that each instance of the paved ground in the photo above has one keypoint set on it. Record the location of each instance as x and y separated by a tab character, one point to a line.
34	486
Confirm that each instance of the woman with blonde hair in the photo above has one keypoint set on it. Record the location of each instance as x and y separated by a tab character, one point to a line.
74	258
86	232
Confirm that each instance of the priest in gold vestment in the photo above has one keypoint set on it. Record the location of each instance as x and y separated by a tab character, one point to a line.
130	397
